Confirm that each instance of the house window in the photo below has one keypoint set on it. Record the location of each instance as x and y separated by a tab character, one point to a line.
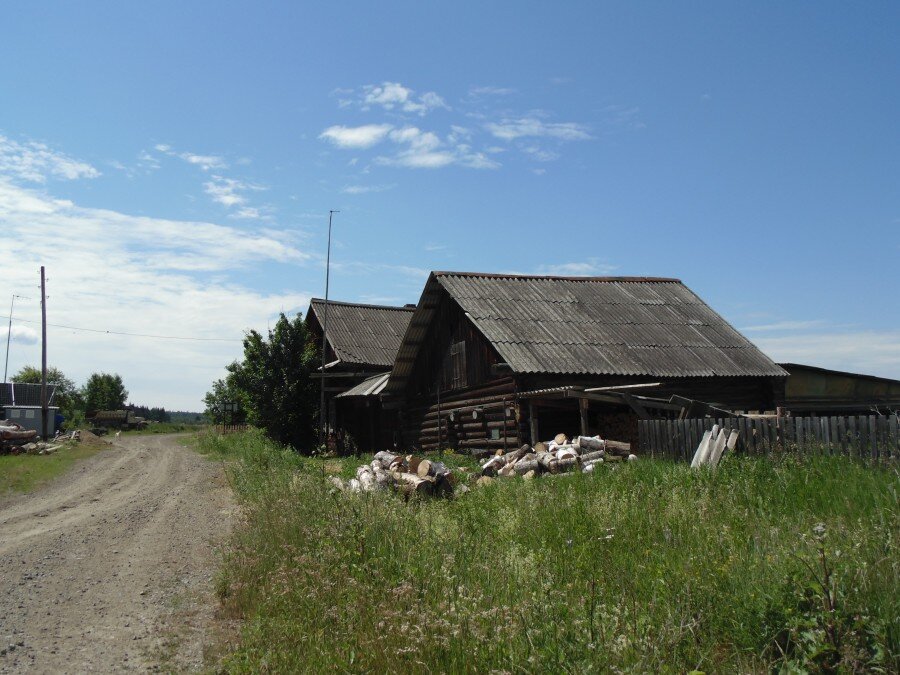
29	414
13	413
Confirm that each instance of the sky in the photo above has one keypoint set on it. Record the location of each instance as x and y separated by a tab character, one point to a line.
173	164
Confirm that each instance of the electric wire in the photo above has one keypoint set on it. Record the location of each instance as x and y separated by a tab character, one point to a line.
117	332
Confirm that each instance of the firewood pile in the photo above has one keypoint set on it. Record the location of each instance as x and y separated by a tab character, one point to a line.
13	436
409	475
560	455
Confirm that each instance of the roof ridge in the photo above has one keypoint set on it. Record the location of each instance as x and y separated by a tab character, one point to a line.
401	308
551	277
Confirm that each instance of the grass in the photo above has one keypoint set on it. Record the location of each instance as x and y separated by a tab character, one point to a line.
786	564
25	473
162	428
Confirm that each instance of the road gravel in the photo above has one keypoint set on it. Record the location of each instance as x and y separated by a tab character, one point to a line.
111	567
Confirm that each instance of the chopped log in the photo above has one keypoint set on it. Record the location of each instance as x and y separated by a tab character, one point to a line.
428	468
412	463
442	486
588	444
337	482
508	470
567	464
354	485
540	447
561	439
415	484
617	448
591	456
545	459
566	452
529	475
366	478
523	466
385	458
632	458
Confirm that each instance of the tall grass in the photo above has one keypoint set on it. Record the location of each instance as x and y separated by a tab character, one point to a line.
646	566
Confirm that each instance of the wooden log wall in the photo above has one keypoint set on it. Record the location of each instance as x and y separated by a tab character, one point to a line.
473	418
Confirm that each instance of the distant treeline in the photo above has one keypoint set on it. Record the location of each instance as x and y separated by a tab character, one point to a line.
163	415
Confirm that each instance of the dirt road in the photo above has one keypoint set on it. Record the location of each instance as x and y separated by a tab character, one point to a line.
111	567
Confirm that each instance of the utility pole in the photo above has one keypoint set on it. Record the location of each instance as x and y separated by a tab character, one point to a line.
12	305
322	416
44	408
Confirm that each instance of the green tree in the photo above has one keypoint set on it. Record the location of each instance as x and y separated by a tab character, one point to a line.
104	391
273	383
67	395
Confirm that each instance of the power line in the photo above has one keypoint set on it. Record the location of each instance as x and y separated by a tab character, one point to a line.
117	332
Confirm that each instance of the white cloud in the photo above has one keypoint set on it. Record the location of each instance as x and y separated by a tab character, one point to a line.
228	193
364	189
512	129
361	137
871	352
114	271
540	154
36	162
425	150
786	325
580	268
491	91
25	335
394	96
205	162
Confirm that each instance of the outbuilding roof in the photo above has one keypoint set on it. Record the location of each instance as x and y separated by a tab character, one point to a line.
363	334
643	326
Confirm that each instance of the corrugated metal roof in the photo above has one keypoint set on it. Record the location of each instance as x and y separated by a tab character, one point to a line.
641	326
24	394
368	387
363	334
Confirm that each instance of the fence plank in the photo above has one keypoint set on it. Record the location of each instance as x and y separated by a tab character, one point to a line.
894	442
854	437
873	438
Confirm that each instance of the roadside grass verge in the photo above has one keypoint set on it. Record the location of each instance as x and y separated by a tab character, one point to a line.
164	428
25	473
787	563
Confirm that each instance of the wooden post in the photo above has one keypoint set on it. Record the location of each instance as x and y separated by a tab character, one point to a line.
583	411
45	411
533	423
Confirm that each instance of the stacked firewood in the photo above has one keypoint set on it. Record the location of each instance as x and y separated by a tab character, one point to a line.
409	475
557	456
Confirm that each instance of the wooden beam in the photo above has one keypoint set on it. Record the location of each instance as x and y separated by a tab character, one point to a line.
636	406
533	423
583	415
625	386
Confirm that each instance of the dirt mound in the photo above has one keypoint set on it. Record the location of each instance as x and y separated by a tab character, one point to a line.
91	438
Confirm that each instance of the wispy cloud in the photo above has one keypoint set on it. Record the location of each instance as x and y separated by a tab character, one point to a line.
491	91
365	189
523	127
360	137
785	325
580	268
229	191
425	150
140	274
870	352
205	162
394	96
25	335
37	162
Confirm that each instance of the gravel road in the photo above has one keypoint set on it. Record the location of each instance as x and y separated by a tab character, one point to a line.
111	567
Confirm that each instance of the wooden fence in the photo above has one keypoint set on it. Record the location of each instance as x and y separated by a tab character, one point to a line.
870	436
232	428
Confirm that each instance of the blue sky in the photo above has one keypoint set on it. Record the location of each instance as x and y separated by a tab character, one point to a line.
173	166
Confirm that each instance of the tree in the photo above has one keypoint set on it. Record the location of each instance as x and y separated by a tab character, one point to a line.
273	384
104	391
67	395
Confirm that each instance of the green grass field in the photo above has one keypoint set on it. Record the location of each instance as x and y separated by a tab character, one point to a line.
788	564
25	473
